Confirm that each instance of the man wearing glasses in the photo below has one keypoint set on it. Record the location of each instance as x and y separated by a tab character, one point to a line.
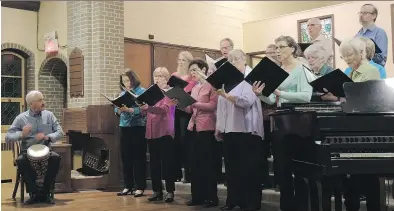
227	45
367	17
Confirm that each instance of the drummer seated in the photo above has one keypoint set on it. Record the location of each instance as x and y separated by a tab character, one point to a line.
36	126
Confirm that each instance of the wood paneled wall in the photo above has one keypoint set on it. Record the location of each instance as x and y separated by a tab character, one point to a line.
144	56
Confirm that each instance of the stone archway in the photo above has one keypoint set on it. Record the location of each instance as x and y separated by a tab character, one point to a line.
52	82
30	62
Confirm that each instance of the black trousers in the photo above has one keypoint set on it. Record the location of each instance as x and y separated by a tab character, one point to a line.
183	144
203	174
218	162
362	184
133	151
161	151
29	174
242	155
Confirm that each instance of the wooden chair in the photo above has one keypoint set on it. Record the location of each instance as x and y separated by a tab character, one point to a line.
16	150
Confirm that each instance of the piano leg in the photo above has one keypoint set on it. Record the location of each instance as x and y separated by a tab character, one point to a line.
320	194
308	193
338	201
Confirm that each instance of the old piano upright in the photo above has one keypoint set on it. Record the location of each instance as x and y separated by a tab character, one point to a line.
328	139
94	131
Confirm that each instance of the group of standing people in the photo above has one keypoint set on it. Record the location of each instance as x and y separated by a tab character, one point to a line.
231	124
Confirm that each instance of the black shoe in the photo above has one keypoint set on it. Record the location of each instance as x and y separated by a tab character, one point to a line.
209	203
194	203
49	200
169	198
227	207
125	192
156	197
32	200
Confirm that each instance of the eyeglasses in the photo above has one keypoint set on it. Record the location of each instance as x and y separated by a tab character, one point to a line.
281	47
364	13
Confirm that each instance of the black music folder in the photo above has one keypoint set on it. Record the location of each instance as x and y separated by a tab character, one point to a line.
220	62
184	99
177	82
333	82
377	49
151	96
269	73
304	46
226	75
125	100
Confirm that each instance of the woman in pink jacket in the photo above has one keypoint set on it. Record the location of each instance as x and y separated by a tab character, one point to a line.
202	126
160	137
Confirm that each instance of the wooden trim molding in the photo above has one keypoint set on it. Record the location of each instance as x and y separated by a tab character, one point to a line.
126	39
392	31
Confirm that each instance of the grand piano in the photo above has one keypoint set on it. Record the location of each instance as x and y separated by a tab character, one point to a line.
323	140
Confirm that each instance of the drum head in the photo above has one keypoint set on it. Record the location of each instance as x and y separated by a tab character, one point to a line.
37	151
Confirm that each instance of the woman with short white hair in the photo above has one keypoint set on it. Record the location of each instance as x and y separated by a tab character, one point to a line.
353	51
240	124
370	53
318	59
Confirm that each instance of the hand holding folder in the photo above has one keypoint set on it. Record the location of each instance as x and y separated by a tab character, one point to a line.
226	75
268	73
126	99
331	82
182	99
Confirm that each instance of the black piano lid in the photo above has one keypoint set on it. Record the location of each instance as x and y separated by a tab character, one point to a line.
370	97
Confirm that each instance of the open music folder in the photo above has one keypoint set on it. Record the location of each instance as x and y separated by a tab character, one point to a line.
184	99
177	82
332	81
220	62
127	100
226	75
151	96
267	72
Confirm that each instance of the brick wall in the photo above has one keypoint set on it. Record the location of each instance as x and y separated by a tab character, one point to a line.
97	28
52	80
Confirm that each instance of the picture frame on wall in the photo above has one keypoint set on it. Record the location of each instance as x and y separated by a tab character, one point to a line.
327	22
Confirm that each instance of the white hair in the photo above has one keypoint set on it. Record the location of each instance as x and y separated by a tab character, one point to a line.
319	52
32	95
356	44
237	54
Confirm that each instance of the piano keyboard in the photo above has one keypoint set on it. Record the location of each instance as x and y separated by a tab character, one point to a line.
366	155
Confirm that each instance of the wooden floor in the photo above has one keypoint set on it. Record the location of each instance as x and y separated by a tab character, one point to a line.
95	200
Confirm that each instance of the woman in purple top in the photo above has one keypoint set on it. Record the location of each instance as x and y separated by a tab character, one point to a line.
240	125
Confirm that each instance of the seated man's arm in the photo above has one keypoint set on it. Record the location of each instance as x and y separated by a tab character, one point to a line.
15	131
57	133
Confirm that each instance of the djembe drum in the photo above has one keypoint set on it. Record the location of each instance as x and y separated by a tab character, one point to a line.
38	156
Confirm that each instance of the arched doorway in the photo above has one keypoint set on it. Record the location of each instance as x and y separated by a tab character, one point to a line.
52	82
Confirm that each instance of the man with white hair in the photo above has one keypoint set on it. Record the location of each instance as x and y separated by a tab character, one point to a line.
36	126
315	32
367	17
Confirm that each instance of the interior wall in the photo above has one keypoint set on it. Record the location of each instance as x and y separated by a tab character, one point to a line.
191	23
259	34
19	27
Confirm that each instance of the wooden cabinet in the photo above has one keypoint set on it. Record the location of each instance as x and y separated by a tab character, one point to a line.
63	178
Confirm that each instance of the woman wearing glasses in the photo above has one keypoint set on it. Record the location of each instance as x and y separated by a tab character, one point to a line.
295	89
